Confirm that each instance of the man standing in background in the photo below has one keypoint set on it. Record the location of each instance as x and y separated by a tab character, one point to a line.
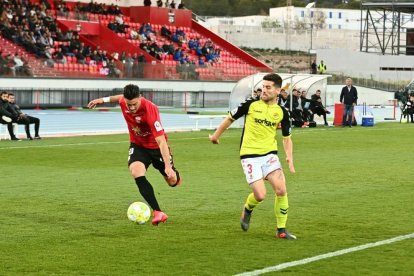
322	67
349	97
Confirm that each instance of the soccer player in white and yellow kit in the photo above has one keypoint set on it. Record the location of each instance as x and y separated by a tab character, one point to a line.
258	150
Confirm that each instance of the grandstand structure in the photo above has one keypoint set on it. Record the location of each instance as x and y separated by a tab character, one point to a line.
229	64
383	27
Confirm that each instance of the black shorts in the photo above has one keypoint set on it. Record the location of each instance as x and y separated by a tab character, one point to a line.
147	157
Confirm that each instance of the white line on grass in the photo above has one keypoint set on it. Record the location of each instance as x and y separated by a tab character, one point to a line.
64	145
325	256
96	143
300	132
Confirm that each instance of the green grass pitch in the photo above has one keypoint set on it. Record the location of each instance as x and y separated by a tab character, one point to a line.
63	205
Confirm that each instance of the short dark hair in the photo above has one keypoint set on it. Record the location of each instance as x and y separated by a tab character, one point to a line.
131	91
3	92
10	94
275	78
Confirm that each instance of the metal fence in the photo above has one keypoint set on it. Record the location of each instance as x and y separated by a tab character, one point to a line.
369	83
66	98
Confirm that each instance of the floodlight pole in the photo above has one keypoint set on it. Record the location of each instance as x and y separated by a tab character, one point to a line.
309	12
310	49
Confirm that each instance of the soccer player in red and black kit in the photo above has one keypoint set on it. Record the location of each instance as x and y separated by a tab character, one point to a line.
148	144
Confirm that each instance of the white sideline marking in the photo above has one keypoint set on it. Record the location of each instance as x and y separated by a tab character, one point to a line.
325	256
101	143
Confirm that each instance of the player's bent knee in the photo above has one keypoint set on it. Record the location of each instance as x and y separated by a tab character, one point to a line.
281	192
260	196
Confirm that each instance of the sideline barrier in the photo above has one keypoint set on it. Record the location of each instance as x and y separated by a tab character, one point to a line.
210	117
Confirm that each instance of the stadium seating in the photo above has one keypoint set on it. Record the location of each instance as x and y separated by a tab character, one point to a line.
226	67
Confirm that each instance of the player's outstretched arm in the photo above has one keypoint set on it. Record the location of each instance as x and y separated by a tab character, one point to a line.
225	124
110	99
288	146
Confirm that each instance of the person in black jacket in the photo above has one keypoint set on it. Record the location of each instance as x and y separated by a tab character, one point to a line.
24	119
408	109
317	106
349	97
7	116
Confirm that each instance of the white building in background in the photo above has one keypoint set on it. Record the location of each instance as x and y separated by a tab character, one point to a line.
342	19
337	19
332	34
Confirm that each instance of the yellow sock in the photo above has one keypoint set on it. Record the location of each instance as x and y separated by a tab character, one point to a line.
251	202
281	210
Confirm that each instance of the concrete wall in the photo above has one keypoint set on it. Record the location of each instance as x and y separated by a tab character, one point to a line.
367	95
110	84
367	65
370	96
278	38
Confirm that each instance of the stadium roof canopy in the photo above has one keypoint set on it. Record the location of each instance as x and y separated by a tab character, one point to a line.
402	6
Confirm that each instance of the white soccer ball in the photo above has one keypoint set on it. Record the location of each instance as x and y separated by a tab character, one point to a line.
139	212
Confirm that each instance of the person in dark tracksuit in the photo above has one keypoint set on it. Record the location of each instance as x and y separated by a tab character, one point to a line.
349	97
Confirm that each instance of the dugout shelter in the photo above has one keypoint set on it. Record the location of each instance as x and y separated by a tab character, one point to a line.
245	87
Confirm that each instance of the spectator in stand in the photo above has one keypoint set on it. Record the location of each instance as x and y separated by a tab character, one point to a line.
177	39
199	51
181	5
133	34
21	66
86	50
201	62
317	106
49	56
154	53
59	57
159	3
102	55
142	59
80	58
138	68
113	71
129	63
178	54
172	5
74	44
179	31
146	31
167	3
4	69
61	8
121	23
123	56
192	44
95	58
24	119
147	3
59	36
166	32
117	10
168	48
